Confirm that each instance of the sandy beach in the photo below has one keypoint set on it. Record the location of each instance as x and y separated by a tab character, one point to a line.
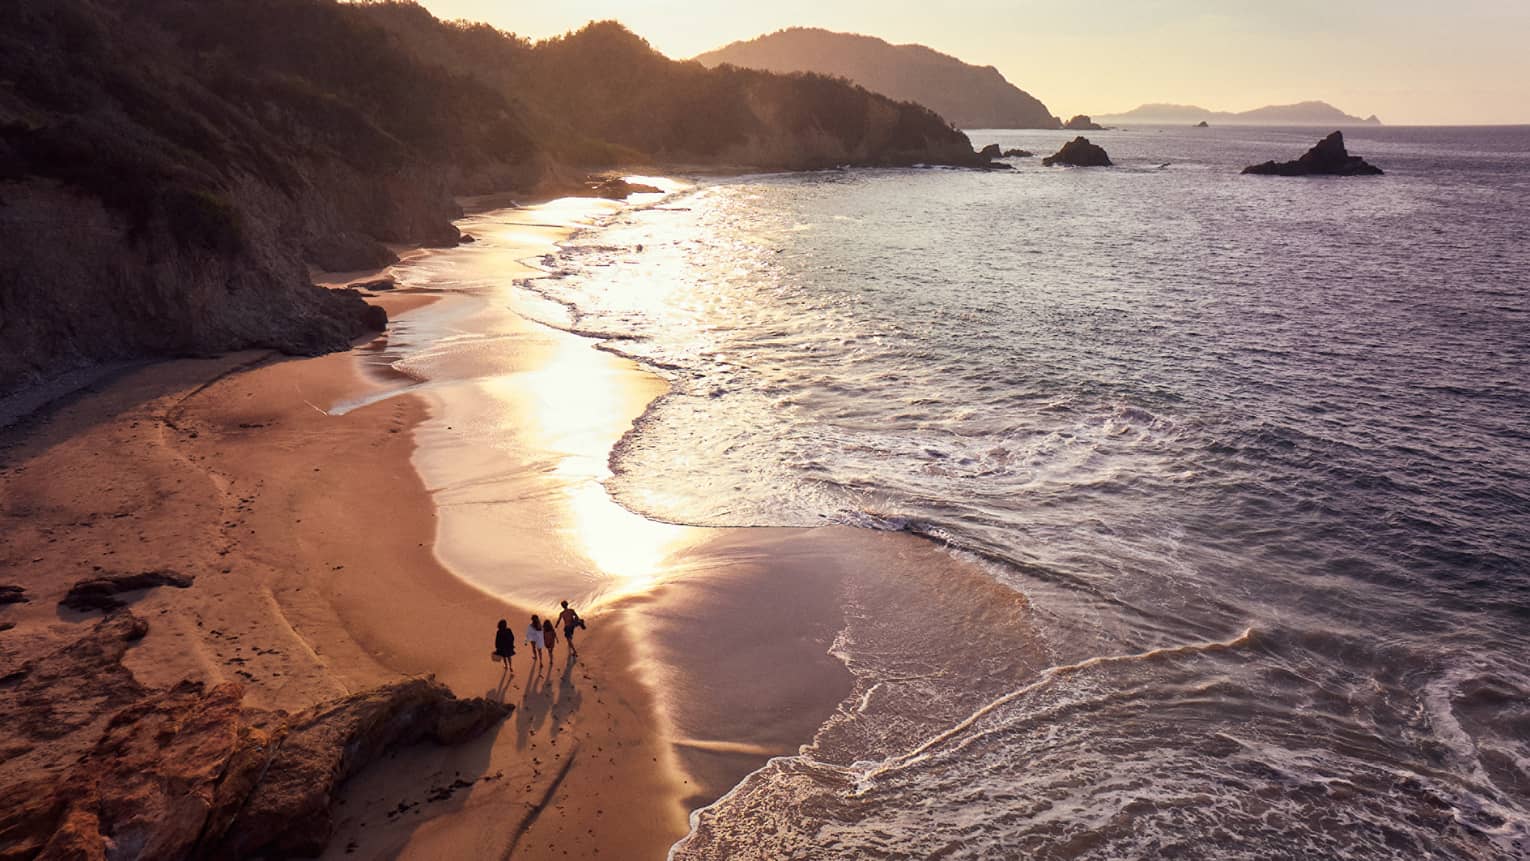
317	551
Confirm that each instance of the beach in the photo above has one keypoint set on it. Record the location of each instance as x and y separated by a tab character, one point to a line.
317	553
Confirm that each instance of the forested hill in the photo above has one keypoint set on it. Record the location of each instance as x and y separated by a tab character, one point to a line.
169	167
603	93
972	97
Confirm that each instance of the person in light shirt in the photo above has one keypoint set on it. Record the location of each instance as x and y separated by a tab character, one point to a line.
534	637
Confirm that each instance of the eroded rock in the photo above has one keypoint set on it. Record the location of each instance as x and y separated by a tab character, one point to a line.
1083	123
97	767
13	595
1328	158
100	593
1079	152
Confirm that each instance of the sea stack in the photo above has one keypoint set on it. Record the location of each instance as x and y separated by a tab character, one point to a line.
1328	158
1079	152
1083	123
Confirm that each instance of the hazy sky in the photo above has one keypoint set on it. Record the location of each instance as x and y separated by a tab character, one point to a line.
1408	61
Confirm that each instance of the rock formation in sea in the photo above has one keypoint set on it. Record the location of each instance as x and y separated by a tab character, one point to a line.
971	97
1203	125
1019	153
97	766
1083	123
1328	158
1079	152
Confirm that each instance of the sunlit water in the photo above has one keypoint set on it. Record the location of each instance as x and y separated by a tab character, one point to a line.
1257	450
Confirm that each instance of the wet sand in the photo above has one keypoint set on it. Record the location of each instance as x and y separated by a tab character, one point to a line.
340	549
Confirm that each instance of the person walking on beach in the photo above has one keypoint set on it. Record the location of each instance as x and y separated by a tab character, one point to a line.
504	644
534	637
570	620
549	637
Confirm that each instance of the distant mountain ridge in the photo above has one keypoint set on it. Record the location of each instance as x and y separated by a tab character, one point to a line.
1310	113
965	95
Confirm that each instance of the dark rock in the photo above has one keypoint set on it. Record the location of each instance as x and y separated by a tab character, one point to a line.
376	285
13	595
100	593
1019	153
1079	152
1328	158
616	188
1083	123
467	238
289	811
1203	125
348	252
98	767
990	152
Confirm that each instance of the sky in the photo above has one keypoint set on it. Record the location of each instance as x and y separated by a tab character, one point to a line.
1408	61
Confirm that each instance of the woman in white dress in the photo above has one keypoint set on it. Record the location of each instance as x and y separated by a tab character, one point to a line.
534	637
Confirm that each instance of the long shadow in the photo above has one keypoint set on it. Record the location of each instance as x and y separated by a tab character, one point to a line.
569	697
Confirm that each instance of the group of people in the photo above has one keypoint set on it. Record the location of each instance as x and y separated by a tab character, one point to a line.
540	635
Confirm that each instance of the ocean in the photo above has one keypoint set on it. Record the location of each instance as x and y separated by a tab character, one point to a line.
1254	451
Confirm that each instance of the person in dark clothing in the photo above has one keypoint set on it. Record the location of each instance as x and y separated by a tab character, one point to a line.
504	643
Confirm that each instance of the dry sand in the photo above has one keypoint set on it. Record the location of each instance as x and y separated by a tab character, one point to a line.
316	546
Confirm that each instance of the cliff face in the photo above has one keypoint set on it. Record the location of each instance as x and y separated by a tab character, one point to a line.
966	95
167	165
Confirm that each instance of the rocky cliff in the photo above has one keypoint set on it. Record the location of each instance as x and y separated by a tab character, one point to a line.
166	166
971	97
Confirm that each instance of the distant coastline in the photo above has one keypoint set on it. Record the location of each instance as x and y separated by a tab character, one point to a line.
1308	113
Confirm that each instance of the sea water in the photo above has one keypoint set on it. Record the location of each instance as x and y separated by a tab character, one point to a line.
1255	450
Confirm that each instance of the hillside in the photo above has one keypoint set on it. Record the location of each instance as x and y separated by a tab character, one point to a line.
603	95
168	168
1311	113
970	97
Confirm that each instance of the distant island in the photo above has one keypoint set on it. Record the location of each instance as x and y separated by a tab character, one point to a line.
1300	114
970	97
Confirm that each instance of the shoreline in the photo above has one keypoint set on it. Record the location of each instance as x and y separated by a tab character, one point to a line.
701	663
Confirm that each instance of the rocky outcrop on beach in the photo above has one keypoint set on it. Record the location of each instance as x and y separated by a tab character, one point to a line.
1328	158
99	767
102	592
617	188
1083	123
1079	152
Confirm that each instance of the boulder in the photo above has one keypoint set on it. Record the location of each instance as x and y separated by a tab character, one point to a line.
1019	153
990	152
1328	158
100	593
1083	123
13	595
288	812
1203	125
376	285
1079	152
467	239
99	767
617	188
